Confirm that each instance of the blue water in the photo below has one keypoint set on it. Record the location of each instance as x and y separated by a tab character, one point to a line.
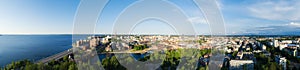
36	47
139	56
32	47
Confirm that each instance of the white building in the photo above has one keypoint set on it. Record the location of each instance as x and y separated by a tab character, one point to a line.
281	46
286	41
275	42
281	61
264	47
240	64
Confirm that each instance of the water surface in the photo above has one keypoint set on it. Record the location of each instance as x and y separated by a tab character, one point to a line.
31	47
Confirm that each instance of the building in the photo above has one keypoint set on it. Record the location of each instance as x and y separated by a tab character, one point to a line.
287	41
241	65
204	61
78	43
281	61
275	43
239	55
264	47
282	46
244	60
94	42
293	46
292	50
108	48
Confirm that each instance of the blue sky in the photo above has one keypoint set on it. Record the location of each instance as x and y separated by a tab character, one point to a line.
240	16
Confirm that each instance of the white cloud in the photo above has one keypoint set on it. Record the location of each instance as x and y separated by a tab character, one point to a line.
285	29
265	28
295	24
284	10
197	20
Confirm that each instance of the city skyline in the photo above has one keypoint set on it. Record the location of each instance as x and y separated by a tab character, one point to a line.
243	17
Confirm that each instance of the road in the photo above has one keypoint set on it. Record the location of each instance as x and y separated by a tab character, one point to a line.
56	56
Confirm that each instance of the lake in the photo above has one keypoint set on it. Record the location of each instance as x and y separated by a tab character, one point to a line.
36	47
31	47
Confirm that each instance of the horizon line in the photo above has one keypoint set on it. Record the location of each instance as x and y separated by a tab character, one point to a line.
157	34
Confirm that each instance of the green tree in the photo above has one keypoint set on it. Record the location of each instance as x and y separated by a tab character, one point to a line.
64	66
111	63
31	67
234	54
72	67
139	47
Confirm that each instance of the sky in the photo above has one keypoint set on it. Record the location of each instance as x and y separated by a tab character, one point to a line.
261	17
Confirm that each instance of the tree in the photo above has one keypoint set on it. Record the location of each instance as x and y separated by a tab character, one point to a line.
72	67
64	66
200	42
111	63
47	67
66	58
172	60
234	54
202	68
273	66
31	67
40	66
139	47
